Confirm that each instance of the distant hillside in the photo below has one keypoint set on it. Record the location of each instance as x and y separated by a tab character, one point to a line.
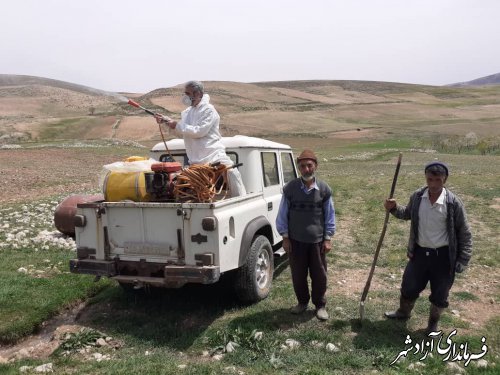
493	79
22	80
34	108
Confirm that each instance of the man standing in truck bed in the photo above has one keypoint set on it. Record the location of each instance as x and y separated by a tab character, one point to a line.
306	220
199	126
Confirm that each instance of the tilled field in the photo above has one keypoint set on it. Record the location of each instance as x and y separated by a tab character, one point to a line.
36	173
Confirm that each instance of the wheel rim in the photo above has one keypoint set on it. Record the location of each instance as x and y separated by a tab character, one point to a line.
262	268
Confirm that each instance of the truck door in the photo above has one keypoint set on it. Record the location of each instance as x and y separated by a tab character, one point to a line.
271	186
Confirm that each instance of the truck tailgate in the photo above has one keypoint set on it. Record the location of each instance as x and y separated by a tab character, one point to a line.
144	231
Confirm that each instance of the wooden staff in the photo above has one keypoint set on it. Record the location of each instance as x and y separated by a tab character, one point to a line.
379	245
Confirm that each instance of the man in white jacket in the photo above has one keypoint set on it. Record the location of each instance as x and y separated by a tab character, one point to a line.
199	126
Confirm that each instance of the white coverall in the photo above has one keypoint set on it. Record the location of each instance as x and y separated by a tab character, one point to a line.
199	126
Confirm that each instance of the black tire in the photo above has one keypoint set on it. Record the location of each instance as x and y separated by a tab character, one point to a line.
254	278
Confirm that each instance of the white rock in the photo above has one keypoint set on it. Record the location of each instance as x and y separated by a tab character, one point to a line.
47	367
218	357
182	367
205	353
332	348
231	346
317	344
258	335
292	344
25	368
455	312
22	270
455	367
482	363
101	342
147	352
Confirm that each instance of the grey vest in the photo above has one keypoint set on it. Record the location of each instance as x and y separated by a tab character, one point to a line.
306	217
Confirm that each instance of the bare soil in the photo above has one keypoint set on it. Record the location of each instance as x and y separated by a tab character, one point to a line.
31	174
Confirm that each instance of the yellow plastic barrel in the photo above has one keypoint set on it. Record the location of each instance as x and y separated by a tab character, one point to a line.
135	158
119	186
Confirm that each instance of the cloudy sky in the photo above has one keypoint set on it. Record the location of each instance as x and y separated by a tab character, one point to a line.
138	46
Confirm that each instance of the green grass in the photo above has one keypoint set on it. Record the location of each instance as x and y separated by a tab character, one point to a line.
176	327
73	128
37	296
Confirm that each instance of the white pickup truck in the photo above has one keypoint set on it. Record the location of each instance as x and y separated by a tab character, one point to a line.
169	244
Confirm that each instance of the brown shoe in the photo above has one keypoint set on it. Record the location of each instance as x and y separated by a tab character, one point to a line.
298	309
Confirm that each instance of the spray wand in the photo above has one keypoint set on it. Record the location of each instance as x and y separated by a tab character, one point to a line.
137	105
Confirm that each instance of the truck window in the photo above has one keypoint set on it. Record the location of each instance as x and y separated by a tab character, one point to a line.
183	159
287	166
269	168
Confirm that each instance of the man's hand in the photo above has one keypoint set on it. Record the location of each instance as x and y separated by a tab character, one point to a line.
390	204
326	246
287	245
459	267
161	119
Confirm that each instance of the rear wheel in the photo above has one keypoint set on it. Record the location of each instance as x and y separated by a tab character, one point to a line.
254	278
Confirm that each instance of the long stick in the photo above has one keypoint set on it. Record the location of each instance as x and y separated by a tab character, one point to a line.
137	105
379	245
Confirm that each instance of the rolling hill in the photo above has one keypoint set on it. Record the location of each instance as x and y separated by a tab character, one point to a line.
33	108
493	79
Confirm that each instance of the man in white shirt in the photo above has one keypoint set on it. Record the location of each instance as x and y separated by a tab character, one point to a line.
199	126
440	243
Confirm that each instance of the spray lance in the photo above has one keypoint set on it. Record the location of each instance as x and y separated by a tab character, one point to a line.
137	105
148	111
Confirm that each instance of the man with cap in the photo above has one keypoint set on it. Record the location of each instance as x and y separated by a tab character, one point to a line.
306	221
440	243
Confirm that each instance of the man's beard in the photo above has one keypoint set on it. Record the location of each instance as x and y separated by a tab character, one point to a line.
308	176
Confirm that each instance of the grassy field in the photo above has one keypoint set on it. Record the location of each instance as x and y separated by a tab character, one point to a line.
188	330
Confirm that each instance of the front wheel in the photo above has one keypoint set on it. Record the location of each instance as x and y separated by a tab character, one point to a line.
254	278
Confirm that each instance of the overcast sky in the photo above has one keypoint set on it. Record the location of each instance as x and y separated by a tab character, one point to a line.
138	46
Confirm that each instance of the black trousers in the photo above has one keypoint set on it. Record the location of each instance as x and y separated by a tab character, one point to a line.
428	265
307	258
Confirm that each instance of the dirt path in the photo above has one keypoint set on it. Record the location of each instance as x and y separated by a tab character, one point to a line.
43	344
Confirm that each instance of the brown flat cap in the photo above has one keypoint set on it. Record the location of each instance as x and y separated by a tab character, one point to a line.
307	154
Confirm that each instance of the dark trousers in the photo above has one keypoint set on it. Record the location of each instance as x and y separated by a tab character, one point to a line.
308	258
428	265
